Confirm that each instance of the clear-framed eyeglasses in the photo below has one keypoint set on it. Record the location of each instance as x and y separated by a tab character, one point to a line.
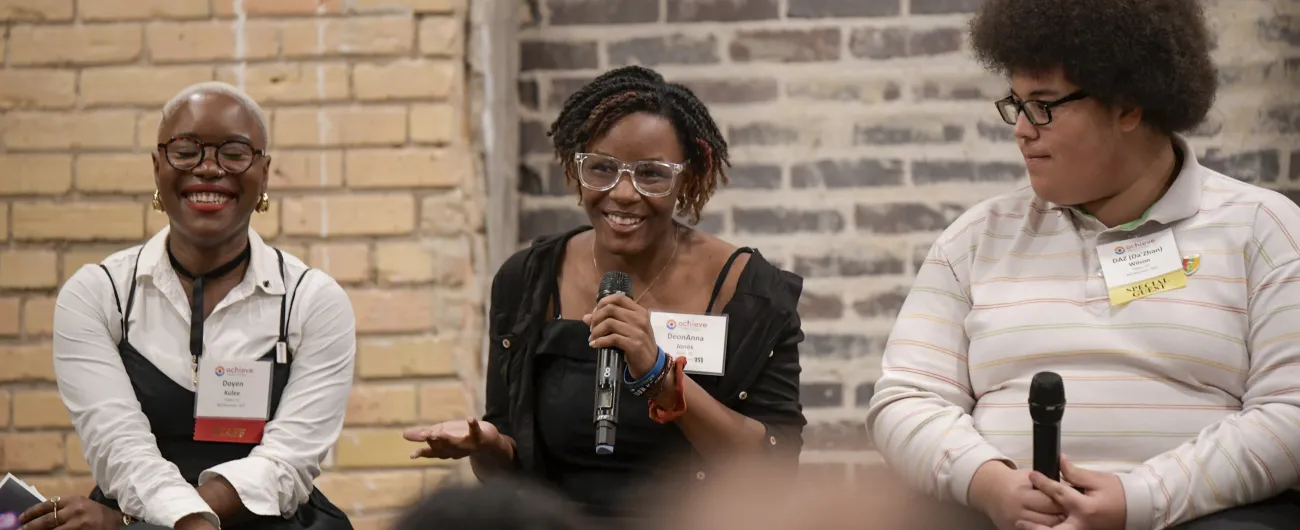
651	178
1038	112
233	157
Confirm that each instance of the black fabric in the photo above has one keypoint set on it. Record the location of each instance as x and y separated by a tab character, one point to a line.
565	371
1279	513
170	407
540	380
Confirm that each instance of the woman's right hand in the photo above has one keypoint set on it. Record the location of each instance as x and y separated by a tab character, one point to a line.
455	439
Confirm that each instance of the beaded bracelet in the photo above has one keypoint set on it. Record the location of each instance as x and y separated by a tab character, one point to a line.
662	415
655	387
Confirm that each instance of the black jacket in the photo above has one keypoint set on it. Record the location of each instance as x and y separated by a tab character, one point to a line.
761	378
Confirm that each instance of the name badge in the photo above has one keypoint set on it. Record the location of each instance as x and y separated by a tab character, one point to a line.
1141	267
233	401
701	339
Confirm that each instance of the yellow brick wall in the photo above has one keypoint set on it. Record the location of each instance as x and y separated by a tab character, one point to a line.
373	179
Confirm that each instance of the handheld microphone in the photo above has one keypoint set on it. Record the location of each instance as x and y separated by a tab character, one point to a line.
1046	407
609	372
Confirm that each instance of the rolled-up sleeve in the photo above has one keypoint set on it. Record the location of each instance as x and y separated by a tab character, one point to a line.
497	392
278	475
773	398
116	439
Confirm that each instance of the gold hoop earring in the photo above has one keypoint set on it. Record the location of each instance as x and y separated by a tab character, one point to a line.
264	205
157	202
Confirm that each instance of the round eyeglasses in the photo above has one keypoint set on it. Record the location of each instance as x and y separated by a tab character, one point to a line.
651	178
233	156
1038	112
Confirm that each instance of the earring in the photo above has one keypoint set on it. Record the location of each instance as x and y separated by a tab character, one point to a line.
157	202
264	204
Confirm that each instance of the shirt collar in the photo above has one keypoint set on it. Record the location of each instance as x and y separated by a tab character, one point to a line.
1181	201
263	271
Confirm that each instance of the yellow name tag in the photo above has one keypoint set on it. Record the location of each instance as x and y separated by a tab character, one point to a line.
1166	282
1141	267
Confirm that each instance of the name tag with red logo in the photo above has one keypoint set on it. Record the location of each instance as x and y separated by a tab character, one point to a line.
233	401
701	339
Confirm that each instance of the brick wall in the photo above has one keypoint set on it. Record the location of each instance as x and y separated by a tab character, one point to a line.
373	180
859	130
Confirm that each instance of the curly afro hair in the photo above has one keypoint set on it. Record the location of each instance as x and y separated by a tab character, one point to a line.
594	108
1153	54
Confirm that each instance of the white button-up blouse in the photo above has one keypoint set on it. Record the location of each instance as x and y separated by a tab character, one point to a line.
277	476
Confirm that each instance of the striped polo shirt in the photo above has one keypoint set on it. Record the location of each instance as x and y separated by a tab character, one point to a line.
1191	395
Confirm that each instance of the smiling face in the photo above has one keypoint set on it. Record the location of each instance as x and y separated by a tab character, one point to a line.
207	204
1070	160
625	221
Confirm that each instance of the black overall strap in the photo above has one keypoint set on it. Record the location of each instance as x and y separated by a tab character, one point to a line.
130	297
722	276
286	306
112	284
284	300
196	296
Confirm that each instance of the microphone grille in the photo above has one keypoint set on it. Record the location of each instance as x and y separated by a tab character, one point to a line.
616	282
1047	388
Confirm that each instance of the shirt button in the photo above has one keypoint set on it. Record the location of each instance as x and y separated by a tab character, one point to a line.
505	343
699	475
744	395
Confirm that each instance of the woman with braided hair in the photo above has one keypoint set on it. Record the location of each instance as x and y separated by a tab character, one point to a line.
709	331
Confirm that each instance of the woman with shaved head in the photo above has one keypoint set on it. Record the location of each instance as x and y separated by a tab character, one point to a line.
206	372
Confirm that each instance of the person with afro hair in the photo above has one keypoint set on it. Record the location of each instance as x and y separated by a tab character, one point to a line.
1162	293
710	332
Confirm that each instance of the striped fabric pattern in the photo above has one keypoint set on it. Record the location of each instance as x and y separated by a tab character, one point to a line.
1192	395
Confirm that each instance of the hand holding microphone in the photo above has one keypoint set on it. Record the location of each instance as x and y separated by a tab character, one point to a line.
1091	499
620	334
1008	496
619	322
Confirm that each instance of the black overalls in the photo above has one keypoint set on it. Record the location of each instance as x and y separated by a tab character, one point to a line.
170	410
604	486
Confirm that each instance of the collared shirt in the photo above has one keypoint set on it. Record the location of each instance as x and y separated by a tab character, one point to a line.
1192	395
277	476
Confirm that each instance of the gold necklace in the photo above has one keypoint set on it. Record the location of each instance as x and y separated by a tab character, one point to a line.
656	278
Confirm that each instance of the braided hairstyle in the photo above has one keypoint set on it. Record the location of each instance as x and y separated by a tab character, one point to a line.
593	109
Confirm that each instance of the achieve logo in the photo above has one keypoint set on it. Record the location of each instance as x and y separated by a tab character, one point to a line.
233	370
674	324
1120	249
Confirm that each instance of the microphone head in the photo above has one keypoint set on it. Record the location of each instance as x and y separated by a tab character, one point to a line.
1047	397
615	282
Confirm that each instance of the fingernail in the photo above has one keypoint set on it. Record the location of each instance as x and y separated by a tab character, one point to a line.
591	344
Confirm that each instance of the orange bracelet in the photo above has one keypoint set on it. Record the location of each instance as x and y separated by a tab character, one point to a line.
662	415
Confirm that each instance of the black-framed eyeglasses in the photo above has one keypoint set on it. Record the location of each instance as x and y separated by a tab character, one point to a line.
233	156
1039	112
652	178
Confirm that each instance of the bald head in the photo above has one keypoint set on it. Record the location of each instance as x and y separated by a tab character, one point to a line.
199	91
